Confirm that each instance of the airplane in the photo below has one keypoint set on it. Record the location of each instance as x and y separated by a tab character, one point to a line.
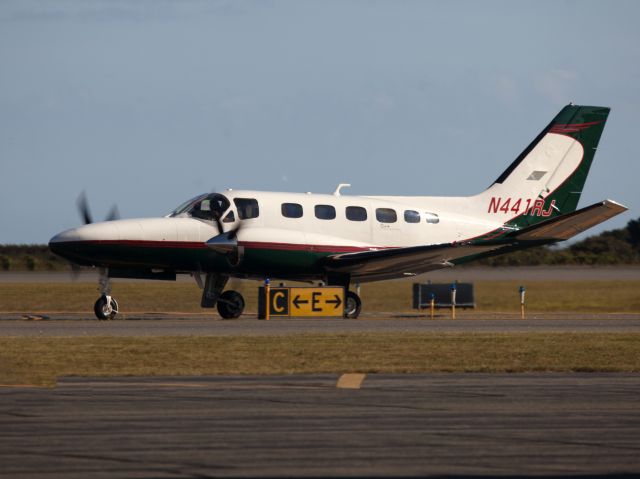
340	239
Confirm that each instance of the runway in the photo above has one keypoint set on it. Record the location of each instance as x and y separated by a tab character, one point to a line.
148	325
459	425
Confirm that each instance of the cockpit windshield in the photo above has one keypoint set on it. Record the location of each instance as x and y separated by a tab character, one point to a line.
206	207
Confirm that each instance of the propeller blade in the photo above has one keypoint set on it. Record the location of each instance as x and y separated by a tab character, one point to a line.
83	208
75	270
233	234
113	214
218	222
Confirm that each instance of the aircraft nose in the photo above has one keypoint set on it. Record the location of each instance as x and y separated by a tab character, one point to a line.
63	244
65	236
74	244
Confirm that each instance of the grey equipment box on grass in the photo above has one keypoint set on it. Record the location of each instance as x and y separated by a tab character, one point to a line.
442	291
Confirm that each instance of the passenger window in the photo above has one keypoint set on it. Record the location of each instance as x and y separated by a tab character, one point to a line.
432	218
230	218
291	210
411	216
386	215
247	208
356	213
325	212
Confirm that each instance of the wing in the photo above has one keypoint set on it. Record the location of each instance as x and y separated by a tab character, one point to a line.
399	262
414	260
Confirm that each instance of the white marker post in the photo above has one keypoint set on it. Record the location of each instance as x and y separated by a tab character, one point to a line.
522	290
453	300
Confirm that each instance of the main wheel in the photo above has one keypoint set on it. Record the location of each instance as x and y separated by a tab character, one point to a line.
104	311
352	305
230	304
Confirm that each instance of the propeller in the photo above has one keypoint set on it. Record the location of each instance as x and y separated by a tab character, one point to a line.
85	211
113	214
226	241
83	208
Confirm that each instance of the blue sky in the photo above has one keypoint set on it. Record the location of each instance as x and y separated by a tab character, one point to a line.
148	103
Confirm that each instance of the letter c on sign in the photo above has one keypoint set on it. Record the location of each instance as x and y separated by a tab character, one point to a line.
276	308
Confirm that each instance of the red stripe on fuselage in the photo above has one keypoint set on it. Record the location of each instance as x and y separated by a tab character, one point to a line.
149	244
307	247
247	244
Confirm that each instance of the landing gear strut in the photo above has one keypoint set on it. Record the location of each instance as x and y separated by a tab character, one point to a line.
106	306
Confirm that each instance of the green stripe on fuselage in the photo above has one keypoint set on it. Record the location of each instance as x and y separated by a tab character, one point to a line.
255	261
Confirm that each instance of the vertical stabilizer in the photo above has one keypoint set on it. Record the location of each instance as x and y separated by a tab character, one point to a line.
547	178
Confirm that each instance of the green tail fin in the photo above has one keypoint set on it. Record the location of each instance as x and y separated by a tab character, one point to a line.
552	170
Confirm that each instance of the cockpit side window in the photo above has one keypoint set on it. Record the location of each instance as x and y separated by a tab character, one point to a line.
210	207
247	208
184	207
230	218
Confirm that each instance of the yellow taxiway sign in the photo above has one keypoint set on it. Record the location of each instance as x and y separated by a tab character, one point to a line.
326	301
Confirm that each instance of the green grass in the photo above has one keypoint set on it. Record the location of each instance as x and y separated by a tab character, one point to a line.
491	296
40	361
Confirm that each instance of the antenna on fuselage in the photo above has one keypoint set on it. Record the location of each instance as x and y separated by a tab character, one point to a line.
340	186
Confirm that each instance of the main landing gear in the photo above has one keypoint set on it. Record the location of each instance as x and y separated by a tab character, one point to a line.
106	306
352	302
352	305
230	304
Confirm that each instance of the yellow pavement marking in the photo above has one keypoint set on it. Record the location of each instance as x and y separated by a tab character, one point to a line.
23	386
351	381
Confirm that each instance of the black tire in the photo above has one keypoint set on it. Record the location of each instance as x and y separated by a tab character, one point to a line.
352	305
100	308
230	304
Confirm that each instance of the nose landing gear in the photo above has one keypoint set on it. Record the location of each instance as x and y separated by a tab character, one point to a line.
106	306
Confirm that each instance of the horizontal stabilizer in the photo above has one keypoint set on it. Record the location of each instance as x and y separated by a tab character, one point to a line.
566	226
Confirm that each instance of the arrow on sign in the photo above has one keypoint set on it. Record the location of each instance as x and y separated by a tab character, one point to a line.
336	301
297	301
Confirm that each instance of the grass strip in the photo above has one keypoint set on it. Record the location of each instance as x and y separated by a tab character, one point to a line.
40	361
542	296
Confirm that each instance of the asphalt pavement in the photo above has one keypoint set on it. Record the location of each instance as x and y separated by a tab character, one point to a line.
146	325
453	425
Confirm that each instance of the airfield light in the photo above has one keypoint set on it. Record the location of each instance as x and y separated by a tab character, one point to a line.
432	302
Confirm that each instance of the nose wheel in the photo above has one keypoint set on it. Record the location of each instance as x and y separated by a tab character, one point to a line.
106	307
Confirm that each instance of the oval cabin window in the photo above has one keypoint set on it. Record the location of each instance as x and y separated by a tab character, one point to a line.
386	215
